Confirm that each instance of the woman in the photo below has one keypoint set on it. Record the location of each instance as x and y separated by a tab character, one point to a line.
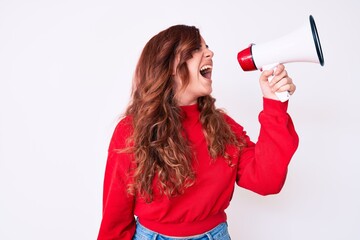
174	158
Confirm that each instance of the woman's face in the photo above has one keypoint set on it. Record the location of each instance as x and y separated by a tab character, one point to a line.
200	68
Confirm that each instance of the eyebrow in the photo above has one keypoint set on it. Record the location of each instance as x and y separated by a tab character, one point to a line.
206	46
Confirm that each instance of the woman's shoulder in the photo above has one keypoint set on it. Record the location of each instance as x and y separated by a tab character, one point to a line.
124	123
235	126
122	132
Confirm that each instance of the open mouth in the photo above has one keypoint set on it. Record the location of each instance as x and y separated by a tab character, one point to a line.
205	71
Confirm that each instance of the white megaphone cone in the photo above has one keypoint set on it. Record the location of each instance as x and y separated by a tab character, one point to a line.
302	45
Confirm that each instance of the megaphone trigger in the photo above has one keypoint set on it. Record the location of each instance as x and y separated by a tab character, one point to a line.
269	67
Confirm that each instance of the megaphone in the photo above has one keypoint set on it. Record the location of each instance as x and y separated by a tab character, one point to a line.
301	45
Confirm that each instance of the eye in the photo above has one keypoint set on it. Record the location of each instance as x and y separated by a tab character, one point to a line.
198	48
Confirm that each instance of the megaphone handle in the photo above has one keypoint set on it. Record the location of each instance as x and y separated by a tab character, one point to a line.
282	96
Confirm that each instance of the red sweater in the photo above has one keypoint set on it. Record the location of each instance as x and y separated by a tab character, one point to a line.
260	167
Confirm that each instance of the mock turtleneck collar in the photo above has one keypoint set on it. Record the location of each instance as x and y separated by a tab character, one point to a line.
190	111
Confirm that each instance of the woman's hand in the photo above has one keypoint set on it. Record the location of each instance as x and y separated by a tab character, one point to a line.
281	82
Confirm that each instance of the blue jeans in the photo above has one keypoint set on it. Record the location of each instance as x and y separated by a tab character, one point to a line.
220	232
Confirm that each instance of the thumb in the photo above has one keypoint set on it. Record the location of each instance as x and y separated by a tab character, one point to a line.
266	74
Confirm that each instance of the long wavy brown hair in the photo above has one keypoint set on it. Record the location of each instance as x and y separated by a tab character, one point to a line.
157	142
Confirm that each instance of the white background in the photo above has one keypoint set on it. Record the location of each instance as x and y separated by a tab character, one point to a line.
65	75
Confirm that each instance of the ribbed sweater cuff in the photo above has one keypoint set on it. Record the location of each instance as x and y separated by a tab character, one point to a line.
274	107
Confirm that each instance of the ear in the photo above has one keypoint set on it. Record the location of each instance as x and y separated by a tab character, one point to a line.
176	63
177	82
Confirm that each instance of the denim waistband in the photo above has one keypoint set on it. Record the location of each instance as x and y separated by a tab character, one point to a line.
220	232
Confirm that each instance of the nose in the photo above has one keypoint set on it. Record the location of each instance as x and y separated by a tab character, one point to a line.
209	53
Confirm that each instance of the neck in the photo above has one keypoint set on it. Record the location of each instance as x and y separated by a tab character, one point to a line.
184	101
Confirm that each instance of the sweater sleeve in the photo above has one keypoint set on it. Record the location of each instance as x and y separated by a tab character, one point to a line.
262	167
118	221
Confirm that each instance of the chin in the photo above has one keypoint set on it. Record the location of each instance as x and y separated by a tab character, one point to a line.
207	93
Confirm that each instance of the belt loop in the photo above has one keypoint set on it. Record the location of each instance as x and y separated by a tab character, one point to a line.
155	236
209	236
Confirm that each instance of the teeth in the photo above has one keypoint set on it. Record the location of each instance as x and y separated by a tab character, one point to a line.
203	68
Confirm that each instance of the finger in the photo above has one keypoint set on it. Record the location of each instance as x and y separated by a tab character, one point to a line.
279	77
284	88
292	89
289	88
266	74
283	84
279	69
